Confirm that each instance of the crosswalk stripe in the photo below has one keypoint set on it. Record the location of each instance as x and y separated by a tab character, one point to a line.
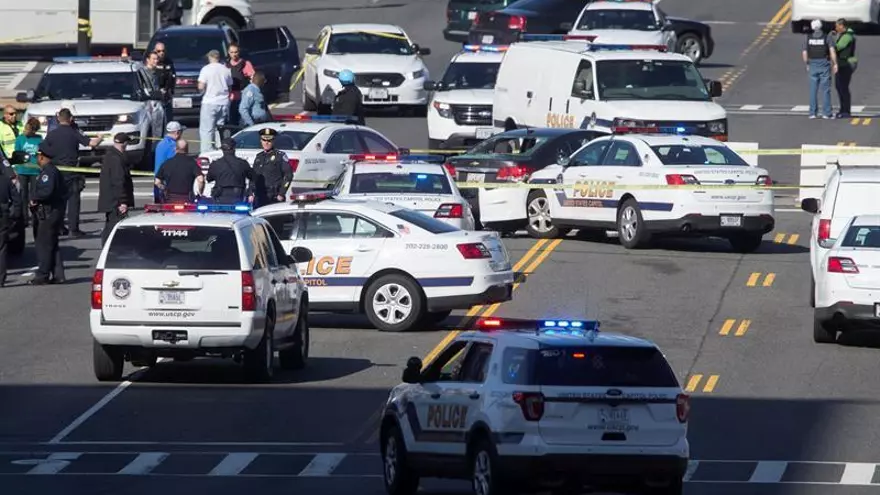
322	465
768	472
55	463
233	464
144	463
858	473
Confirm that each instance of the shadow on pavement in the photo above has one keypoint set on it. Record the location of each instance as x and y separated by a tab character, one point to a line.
226	372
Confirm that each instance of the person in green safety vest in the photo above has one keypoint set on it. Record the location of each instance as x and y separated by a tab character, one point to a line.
845	44
28	142
10	128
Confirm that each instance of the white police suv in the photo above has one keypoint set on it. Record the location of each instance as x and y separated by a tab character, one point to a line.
318	147
106	96
409	181
460	113
638	22
387	64
524	405
187	280
400	267
644	182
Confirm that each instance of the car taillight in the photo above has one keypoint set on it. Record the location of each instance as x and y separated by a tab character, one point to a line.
248	292
476	20
842	265
474	251
294	163
449	210
516	23
824	230
184	81
531	403
681	180
516	173
450	168
98	289
682	407
764	180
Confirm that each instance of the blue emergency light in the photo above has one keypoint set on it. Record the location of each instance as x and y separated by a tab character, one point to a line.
594	47
558	37
678	130
200	208
485	48
305	117
546	326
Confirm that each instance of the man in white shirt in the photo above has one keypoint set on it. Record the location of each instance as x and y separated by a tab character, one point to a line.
215	80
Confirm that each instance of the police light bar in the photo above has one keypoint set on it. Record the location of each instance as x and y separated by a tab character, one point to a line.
485	48
558	37
311	197
87	58
201	208
653	130
375	157
303	117
601	47
388	158
490	324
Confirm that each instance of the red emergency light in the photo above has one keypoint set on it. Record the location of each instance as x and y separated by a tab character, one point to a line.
311	197
389	157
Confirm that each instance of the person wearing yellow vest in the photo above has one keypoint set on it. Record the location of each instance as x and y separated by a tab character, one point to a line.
10	128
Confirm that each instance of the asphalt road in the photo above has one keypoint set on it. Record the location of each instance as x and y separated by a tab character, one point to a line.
773	413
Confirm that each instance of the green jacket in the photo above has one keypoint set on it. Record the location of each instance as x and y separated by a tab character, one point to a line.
846	48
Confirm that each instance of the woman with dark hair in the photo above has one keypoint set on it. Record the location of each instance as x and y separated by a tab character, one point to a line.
28	142
242	72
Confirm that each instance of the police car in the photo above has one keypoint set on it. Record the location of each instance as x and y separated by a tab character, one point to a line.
411	182
638	22
398	266
387	64
460	113
522	405
187	280
106	96
642	182
318	147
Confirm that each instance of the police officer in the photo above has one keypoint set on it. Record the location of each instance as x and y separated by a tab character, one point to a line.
229	175
820	58
349	101
49	197
176	176
10	206
167	79
115	189
272	173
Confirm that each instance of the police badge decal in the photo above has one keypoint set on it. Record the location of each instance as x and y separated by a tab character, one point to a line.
121	288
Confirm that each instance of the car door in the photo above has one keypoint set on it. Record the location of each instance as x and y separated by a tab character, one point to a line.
276	277
621	165
310	64
287	285
582	102
573	202
337	153
274	52
374	142
669	37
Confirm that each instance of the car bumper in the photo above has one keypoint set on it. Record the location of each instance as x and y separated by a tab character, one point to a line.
245	335
711	225
590	467
849	316
410	92
497	207
452	135
491	295
455	34
489	37
830	12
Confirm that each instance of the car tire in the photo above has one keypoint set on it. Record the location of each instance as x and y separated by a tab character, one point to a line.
797	27
309	105
107	362
259	362
690	45
485	476
812	291
538	217
145	360
436	144
631	229
296	356
399	477
675	487
405	298
745	243
821	333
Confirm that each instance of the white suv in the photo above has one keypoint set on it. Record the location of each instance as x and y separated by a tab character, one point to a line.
184	281
527	404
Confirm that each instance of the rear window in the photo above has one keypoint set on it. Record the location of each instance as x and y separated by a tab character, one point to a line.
698	155
506	144
173	247
423	221
602	367
867	236
856	198
409	183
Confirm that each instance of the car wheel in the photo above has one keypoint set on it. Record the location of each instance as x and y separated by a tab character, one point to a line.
144	360
296	356
631	229
309	105
691	45
485	478
399	478
675	487
259	362
540	223
745	243
393	303
107	362
821	333
812	291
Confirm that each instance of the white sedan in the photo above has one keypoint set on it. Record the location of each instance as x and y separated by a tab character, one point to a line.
626	23
318	147
398	266
411	182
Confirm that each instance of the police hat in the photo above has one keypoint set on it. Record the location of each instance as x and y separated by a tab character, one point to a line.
46	150
268	133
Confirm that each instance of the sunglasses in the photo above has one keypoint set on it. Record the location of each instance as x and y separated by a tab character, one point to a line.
266	140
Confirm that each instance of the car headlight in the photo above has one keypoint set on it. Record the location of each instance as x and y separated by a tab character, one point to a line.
128	118
43	119
419	74
718	126
443	109
331	73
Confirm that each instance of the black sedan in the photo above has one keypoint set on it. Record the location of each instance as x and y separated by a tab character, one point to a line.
505	26
512	157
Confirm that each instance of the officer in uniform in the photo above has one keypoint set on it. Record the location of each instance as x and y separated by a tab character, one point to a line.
820	58
349	101
229	175
272	173
48	199
10	206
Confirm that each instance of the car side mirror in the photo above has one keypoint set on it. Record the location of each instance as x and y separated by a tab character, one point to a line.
312	50
25	97
413	371
810	205
301	254
424	51
667	27
429	86
19	157
715	89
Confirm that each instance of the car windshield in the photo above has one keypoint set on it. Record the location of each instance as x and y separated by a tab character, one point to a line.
88	86
508	145
405	183
421	221
697	155
866	236
190	47
363	42
173	247
639	20
471	75
650	80
285	140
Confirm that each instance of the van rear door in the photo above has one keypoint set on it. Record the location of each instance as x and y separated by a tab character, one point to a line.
274	52
853	198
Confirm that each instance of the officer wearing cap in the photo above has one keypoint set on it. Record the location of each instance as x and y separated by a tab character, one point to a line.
272	172
48	200
115	187
349	101
229	174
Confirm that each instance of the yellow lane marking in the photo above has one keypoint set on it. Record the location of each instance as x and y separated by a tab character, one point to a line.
860	121
740	330
846	143
792	238
782	13
755	277
694	383
770	32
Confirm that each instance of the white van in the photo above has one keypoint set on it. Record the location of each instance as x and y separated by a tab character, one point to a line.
571	83
849	191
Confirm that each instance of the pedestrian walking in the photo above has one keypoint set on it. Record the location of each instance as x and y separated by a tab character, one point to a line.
242	71
178	174
48	199
253	108
165	150
272	172
115	187
170	12
845	46
229	175
167	80
820	58
10	206
215	79
10	128
28	142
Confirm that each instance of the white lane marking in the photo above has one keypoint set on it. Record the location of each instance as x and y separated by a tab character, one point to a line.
857	108
193	444
322	465
858	473
768	472
55	463
691	469
18	78
801	108
233	464
751	107
144	463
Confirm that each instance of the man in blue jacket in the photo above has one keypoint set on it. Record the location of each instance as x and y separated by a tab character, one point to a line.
165	150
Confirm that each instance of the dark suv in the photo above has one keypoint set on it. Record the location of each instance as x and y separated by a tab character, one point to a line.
460	14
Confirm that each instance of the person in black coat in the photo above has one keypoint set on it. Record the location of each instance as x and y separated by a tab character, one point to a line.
272	172
10	206
48	199
167	76
178	174
229	175
170	12
349	101
115	189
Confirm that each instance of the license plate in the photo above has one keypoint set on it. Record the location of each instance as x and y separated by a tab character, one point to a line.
731	221
472	15
877	310
476	177
488	39
171	297
616	415
484	132
379	94
182	103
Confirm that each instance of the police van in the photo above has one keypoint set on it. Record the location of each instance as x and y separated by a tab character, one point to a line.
568	81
